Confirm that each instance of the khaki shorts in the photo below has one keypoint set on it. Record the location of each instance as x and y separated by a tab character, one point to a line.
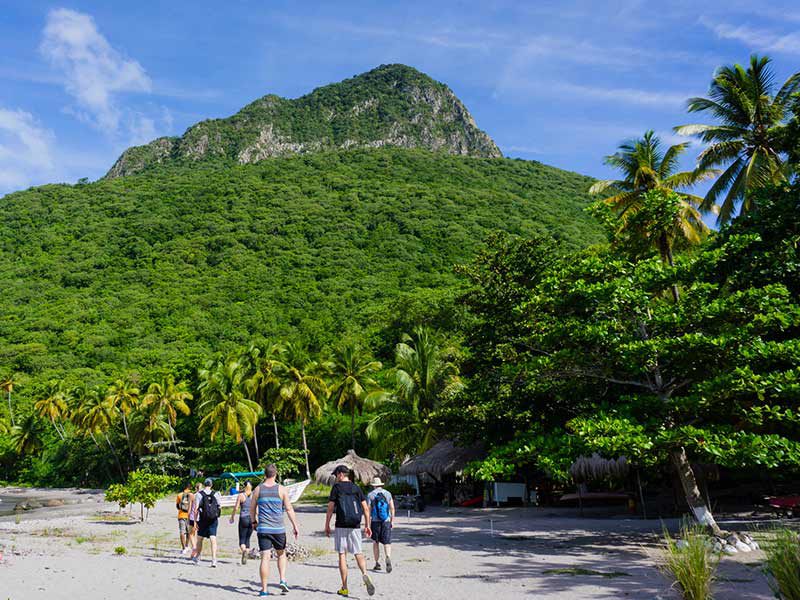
347	540
183	526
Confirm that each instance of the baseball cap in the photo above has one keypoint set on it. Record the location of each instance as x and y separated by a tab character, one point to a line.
208	482
341	469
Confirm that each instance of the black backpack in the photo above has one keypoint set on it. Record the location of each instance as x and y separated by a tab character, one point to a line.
348	507
209	507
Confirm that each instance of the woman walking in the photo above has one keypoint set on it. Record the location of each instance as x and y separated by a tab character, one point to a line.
190	547
243	501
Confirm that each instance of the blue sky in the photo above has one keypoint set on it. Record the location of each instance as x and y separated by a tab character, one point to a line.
558	82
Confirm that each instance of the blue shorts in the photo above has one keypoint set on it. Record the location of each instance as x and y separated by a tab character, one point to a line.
381	532
207	530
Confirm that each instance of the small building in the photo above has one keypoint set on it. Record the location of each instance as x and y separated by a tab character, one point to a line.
439	473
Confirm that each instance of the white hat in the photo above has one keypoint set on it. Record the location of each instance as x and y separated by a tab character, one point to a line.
376	482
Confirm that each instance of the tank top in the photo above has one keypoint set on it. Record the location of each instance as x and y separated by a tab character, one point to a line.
193	508
270	510
245	507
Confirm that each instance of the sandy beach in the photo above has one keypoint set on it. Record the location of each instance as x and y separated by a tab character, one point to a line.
69	552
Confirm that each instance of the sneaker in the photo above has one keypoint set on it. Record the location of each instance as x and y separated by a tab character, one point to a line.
284	586
214	564
388	565
369	584
377	567
263	593
244	557
195	561
343	592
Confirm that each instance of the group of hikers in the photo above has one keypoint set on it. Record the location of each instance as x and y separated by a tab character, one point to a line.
262	510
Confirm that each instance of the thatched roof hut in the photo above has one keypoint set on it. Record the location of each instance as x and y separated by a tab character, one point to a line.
443	459
364	468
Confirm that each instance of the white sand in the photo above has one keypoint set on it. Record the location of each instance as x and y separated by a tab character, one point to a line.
439	554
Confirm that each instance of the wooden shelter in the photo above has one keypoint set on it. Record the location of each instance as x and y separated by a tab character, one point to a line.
364	469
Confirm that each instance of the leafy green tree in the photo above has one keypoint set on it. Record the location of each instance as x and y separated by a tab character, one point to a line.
598	351
54	405
123	396
290	461
95	416
351	371
748	136
166	398
425	376
224	404
301	390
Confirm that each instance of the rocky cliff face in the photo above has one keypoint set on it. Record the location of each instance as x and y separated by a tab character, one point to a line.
392	105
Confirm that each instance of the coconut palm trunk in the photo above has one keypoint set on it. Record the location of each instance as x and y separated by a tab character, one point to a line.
247	451
55	426
255	443
10	412
116	456
275	428
127	437
694	499
305	450
353	428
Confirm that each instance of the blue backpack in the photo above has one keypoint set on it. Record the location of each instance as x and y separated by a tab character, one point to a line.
380	507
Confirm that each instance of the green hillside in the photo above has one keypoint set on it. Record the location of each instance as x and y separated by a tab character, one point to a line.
161	269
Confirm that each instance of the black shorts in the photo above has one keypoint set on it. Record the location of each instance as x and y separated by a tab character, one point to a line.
245	531
381	532
271	540
207	529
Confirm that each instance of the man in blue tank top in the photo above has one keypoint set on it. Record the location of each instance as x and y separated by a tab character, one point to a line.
269	503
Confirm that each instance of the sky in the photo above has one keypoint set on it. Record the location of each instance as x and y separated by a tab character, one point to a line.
562	83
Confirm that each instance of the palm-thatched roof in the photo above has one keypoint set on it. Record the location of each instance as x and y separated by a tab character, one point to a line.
444	458
364	468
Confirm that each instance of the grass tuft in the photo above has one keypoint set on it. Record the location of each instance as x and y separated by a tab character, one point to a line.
690	563
120	550
783	564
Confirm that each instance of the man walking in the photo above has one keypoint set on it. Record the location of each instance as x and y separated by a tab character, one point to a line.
183	503
348	501
381	505
269	503
208	511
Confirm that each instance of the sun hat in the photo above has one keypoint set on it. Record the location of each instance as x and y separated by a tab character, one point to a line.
376	482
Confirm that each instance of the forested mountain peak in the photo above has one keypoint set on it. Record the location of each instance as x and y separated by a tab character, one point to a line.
391	105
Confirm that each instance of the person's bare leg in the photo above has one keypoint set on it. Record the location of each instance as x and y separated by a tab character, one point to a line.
343	569
282	560
183	541
213	549
362	563
263	570
376	551
387	550
198	549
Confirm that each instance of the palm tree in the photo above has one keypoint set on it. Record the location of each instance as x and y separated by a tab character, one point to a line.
224	405
167	398
26	437
351	370
262	383
424	377
123	396
7	385
751	117
53	406
301	388
96	417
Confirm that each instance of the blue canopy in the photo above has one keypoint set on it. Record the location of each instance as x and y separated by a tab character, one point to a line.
239	474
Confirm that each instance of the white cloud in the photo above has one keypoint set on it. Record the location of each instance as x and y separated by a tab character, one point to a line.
25	150
762	39
94	73
566	91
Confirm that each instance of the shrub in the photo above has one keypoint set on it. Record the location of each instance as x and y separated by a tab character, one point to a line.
120	550
290	461
690	563
783	564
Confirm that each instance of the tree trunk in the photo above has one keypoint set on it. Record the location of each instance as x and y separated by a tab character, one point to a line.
127	437
305	450
53	421
105	465
255	442
116	458
275	427
353	428
695	501
247	451
10	412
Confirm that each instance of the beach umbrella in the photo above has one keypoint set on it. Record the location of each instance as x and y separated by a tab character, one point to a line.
364	468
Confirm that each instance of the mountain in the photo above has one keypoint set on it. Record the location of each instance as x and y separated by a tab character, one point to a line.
392	105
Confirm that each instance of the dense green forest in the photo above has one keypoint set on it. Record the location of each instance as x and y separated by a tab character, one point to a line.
161	270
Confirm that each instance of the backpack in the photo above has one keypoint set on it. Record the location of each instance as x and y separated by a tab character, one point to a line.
348	508
380	507
185	502
209	507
